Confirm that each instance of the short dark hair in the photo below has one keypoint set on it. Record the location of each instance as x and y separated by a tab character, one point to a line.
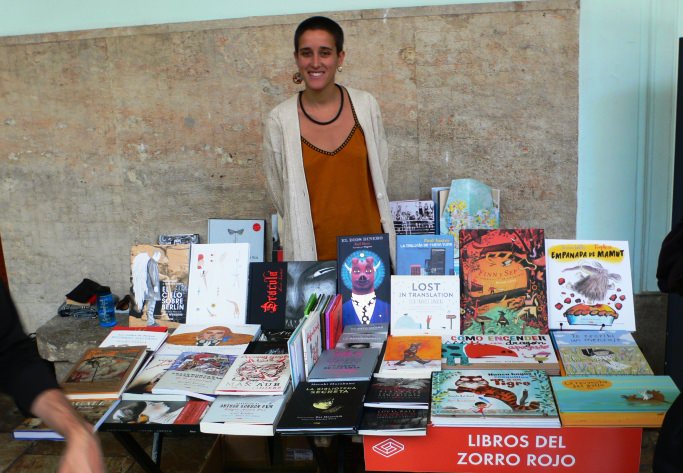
320	23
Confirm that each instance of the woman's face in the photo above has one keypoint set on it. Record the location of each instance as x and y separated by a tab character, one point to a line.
317	59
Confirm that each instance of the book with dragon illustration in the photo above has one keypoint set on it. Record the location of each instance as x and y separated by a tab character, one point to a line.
614	400
589	285
500	398
235	230
589	352
159	284
502	282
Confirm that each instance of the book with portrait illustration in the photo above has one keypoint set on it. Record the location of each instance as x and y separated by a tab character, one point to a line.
364	282
140	387
589	285
159	282
156	416
195	375
236	230
323	408
256	374
502	282
102	373
227	339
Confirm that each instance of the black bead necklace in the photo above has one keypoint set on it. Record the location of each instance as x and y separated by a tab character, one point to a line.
317	122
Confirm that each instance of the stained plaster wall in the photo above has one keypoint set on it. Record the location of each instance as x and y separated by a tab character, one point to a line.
110	137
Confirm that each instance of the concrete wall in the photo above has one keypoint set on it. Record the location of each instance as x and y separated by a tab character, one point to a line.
110	137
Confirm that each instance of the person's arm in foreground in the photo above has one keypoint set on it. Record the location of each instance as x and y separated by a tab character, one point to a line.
83	453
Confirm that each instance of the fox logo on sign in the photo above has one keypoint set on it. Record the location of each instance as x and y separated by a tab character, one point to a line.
389	448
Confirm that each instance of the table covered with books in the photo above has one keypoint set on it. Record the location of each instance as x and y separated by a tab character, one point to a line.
525	341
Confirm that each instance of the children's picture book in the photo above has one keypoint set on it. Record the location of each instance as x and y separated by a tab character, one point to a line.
394	422
234	230
157	416
219	274
279	291
140	387
503	282
614	400
222	338
102	373
364	270
499	398
413	217
589	285
405	393
427	305
590	352
345	365
159	284
152	339
501	351
194	374
411	356
425	255
244	415
324	408
93	411
256	374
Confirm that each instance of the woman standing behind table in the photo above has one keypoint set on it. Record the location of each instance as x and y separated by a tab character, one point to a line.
326	158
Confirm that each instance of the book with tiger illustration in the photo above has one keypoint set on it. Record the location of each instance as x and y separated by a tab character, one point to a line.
497	398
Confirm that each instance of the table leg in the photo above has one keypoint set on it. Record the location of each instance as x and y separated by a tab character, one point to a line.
137	452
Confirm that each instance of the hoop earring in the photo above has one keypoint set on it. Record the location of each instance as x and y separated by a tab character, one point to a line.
339	68
297	78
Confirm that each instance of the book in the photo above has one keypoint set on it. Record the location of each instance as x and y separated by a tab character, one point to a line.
502	285
501	351
590	352
264	347
344	365
333	322
159	283
589	285
312	340
194	374
427	305
614	400
438	208
496	398
234	230
140	387
279	291
103	373
256	374
361	340
229	339
412	217
425	255
295	350
379	329
93	411
393	422
157	416
178	238
219	273
323	408
244	415
364	270
411	356
404	393
120	337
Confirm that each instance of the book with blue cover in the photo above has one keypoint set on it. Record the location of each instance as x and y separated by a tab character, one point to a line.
425	255
235	230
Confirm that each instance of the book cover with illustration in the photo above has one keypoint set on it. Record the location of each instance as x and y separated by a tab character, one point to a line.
427	305
235	230
503	282
157	416
501	352
219	274
425	255
499	398
256	374
194	374
243	415
411	356
159	284
225	339
614	400
589	352
413	217
589	285
399	393
279	290
364	270
140	387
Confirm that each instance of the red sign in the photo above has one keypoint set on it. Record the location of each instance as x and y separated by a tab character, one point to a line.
568	449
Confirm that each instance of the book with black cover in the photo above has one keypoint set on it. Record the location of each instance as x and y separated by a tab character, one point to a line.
264	347
403	422
399	393
322	408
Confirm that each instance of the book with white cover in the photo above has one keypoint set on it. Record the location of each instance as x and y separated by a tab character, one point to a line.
589	285
312	340
129	338
140	388
195	375
219	276
256	374
427	305
222	338
244	415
